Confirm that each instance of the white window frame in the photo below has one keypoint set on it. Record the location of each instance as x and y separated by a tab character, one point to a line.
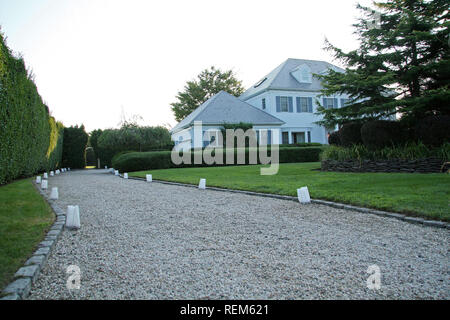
286	99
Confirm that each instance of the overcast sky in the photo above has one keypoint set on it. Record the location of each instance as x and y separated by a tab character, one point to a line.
93	58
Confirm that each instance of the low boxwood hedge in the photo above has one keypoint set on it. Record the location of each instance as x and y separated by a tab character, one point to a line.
139	161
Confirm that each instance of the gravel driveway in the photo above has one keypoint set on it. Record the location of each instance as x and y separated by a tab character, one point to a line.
143	240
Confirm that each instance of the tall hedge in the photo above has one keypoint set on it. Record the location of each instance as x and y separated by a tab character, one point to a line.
25	125
55	148
74	147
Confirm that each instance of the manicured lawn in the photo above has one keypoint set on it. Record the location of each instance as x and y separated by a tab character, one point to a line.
415	194
24	219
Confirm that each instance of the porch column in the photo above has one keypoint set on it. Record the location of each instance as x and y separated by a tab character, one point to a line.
290	137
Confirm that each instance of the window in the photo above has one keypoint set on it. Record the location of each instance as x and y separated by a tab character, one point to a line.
285	137
304	104
305	75
284	104
264	104
344	102
329	103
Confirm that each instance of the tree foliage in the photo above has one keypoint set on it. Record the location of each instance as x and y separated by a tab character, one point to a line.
208	83
74	147
93	141
402	65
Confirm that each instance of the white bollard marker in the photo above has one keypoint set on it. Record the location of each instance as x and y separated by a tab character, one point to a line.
45	175
38	179
149	177
54	195
202	184
73	217
125	175
303	195
116	172
44	184
52	173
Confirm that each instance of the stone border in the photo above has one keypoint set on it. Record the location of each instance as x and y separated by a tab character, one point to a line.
425	165
26	276
399	216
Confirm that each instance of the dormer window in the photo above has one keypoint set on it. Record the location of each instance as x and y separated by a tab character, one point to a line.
305	75
302	74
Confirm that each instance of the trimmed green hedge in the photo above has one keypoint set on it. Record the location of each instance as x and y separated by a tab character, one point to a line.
30	140
138	161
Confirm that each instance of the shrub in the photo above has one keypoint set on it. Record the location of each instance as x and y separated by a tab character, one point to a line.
378	134
30	140
409	151
334	139
433	130
139	161
131	137
350	134
74	147
301	145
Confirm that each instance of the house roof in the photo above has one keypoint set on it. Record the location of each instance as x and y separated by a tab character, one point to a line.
281	77
226	108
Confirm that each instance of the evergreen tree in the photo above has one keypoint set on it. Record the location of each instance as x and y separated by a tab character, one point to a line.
402	65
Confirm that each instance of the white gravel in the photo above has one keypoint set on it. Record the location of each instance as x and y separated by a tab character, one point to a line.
143	240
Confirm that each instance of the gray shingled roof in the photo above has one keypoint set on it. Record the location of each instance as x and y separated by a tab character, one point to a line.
281	78
226	108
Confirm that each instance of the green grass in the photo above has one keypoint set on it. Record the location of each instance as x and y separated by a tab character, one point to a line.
425	195
25	217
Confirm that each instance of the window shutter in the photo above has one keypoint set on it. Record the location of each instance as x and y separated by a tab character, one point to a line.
325	103
291	104
298	104
310	104
278	104
335	103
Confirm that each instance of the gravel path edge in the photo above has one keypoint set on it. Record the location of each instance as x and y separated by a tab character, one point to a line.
337	205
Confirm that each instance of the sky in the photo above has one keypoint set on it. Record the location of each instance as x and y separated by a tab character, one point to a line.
97	60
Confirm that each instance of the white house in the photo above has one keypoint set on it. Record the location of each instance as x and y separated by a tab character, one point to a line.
286	98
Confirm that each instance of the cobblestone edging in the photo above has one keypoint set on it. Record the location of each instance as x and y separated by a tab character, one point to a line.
399	216
27	275
427	165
